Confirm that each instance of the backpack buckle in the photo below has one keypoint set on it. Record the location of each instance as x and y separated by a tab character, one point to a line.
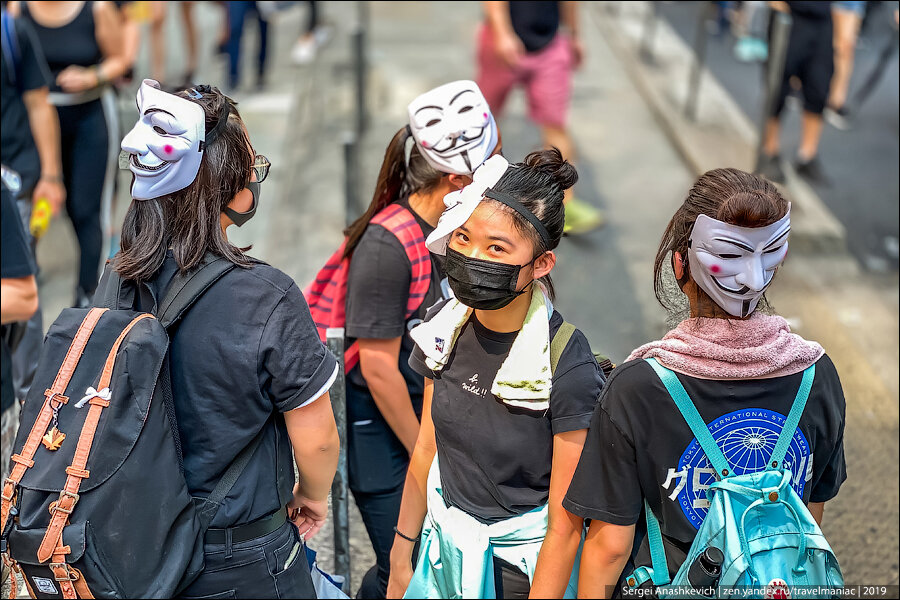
9	489
61	572
58	505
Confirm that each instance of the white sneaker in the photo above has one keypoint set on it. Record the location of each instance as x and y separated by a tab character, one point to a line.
304	51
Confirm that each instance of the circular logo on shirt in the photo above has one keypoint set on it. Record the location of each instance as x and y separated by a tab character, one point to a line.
747	438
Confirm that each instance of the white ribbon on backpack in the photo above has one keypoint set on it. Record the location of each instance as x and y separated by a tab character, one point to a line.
92	393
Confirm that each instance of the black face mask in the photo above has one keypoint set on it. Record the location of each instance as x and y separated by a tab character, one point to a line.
482	284
241	218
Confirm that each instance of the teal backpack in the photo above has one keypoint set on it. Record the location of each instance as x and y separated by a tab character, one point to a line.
766	538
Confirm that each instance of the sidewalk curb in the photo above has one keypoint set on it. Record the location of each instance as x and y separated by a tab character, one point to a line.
722	135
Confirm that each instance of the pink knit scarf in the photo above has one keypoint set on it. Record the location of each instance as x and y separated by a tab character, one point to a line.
756	348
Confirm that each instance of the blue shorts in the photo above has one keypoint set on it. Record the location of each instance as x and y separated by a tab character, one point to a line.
855	7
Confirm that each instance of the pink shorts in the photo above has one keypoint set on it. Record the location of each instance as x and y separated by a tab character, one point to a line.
546	75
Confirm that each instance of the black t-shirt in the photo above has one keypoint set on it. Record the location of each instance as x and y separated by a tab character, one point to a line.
15	261
17	149
495	459
377	294
244	353
639	447
535	22
811	9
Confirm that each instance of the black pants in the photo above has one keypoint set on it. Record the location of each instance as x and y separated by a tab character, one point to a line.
271	566
809	58
85	148
377	463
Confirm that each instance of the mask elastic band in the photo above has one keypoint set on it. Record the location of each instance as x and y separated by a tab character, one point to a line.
216	131
520	208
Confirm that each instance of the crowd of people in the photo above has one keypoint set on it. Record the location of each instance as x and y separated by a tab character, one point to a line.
490	453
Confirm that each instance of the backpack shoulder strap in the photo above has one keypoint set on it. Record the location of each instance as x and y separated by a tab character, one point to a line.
559	342
402	224
211	504
693	418
793	418
187	287
10	44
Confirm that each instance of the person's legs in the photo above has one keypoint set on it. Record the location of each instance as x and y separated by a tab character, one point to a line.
379	511
236	13
495	79
158	40
190	37
815	74
263	49
847	18
85	191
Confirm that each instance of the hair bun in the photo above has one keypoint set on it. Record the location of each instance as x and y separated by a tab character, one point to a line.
552	163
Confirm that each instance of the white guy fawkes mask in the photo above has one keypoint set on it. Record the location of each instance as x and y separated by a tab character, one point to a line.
735	265
166	144
454	127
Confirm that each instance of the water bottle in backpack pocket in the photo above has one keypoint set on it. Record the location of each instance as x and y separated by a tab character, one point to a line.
757	528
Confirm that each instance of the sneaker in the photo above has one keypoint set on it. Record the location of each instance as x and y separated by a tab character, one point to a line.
760	49
770	168
812	171
304	51
745	50
581	217
839	118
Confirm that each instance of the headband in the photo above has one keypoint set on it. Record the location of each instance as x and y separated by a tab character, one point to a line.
522	210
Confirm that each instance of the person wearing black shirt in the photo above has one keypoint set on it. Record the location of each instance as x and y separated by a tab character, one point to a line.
384	394
740	367
246	360
505	427
19	302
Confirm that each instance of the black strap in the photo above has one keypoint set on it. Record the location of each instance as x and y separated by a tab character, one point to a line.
520	208
112	291
211	504
186	288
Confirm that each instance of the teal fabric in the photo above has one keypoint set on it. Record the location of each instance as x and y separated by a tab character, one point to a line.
756	519
457	551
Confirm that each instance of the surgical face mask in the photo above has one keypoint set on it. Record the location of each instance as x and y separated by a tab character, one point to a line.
165	146
453	127
241	218
482	284
735	265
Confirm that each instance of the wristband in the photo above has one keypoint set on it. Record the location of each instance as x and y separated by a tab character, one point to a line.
406	537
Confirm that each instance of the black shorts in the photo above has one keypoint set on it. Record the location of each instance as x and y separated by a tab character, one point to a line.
810	58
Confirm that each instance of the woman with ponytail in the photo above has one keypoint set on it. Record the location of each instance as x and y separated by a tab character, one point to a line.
249	376
391	282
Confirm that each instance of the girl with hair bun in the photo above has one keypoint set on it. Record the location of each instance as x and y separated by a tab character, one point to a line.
509	391
741	369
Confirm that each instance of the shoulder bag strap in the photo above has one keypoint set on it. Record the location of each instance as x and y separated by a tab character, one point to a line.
186	288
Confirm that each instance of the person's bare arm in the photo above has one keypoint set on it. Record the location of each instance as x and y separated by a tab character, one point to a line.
415	501
605	553
18	298
569	20
817	510
314	439
379	363
557	556
507	45
44	124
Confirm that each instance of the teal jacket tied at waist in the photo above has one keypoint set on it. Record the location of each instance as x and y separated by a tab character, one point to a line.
457	551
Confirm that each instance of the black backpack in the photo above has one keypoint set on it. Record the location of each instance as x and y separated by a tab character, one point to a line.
96	504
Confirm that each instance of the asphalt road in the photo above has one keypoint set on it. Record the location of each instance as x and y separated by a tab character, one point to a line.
861	162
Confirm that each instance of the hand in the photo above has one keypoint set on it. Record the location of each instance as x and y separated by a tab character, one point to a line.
577	49
307	515
77	79
401	574
53	191
509	48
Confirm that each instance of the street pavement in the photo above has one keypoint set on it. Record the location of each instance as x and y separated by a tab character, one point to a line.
861	162
627	166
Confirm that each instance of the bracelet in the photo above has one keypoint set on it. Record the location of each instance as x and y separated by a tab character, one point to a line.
101	79
406	537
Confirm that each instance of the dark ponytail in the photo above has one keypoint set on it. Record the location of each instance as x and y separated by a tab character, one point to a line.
538	183
395	179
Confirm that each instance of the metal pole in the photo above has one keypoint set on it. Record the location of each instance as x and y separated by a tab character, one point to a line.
351	176
360	67
650	22
340	497
778	43
700	38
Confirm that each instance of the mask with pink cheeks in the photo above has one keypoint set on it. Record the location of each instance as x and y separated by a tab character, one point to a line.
735	265
165	146
453	127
